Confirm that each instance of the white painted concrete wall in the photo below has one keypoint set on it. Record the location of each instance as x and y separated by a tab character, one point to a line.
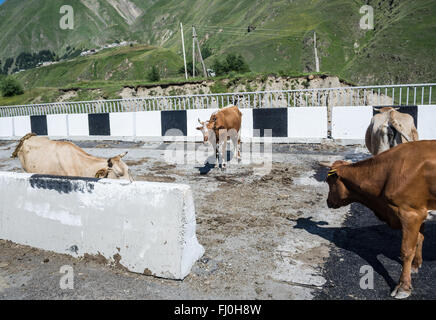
22	125
350	122
6	127
247	124
307	122
192	121
57	125
151	226
122	124
78	124
427	122
148	124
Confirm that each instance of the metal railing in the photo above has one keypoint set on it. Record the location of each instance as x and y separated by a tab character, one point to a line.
407	94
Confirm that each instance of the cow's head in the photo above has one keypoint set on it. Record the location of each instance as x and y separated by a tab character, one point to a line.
116	169
339	195
206	129
385	109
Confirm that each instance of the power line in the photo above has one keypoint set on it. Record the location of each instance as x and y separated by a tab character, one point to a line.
252	33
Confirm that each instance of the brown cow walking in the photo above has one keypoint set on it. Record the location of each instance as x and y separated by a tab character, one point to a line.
399	186
223	124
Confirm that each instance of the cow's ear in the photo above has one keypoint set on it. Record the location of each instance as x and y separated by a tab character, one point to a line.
199	128
102	173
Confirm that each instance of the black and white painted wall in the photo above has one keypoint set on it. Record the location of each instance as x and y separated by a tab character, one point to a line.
350	123
297	124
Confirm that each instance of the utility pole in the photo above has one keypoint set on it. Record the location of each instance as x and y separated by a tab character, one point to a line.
316	52
199	54
193	51
184	54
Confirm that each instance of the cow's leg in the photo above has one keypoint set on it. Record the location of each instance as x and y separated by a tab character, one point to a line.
222	153
411	224
239	146
234	138
417	260
217	155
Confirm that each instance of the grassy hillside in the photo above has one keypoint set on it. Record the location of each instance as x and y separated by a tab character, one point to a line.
400	49
30	26
125	63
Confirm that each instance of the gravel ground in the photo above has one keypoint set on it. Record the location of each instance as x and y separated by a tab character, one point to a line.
265	236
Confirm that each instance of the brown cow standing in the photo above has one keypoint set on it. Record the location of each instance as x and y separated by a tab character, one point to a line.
44	156
223	124
399	186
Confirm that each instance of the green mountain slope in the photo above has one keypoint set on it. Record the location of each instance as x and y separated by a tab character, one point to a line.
115	64
400	49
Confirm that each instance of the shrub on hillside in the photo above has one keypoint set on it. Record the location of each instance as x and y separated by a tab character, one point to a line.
189	69
11	87
206	52
232	62
153	75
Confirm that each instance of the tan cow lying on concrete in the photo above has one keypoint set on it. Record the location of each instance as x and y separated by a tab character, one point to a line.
389	128
399	186
44	156
223	125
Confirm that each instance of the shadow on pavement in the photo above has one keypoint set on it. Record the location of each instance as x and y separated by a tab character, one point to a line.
364	240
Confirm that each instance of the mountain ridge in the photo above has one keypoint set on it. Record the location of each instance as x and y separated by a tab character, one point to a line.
272	36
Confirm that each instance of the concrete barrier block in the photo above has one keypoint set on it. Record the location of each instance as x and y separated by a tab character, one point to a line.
192	116
427	122
6	127
350	122
121	124
307	122
148	123
57	125
78	124
247	123
22	125
144	226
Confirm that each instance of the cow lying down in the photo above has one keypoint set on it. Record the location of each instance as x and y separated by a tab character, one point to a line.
399	186
44	156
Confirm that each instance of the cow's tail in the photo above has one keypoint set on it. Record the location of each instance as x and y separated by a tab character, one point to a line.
397	126
20	144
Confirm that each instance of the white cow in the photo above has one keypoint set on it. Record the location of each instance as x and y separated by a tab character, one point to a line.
389	128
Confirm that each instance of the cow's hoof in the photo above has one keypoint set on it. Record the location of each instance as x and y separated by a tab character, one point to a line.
400	293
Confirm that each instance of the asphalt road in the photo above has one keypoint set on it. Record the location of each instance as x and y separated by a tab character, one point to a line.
365	241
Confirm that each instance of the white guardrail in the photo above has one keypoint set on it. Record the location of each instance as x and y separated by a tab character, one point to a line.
404	94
